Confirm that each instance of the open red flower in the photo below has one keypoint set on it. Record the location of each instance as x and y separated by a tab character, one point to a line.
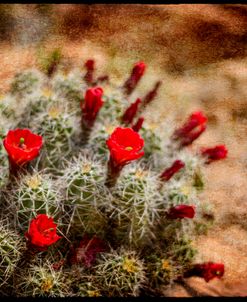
215	153
125	145
138	125
151	94
42	232
137	72
130	112
168	173
208	271
181	211
192	129
91	105
22	145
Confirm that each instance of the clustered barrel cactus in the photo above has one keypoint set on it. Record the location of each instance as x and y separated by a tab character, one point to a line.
99	202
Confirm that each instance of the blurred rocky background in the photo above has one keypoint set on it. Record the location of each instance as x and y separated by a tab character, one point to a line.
199	52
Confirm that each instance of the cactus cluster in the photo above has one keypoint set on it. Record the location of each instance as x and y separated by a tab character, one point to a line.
101	201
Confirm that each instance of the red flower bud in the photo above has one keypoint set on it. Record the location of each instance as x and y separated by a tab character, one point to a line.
104	78
137	72
90	69
125	145
181	211
87	251
42	232
151	94
168	173
130	112
215	153
90	64
22	146
192	129
138	125
208	271
91	105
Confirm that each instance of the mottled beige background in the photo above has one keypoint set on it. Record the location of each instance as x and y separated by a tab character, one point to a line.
199	51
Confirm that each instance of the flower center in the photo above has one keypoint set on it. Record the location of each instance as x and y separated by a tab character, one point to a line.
128	148
47	231
21	143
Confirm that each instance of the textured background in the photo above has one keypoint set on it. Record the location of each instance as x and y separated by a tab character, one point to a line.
199	52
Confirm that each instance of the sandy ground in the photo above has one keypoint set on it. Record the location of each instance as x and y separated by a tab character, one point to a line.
198	73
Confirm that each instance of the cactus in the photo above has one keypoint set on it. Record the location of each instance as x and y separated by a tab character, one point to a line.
25	83
11	248
136	204
98	138
56	127
120	273
69	87
34	194
85	195
148	212
42	280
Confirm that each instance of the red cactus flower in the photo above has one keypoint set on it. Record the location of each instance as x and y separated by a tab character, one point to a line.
137	72
91	105
181	211
192	129
125	145
22	146
208	271
215	153
42	232
151	94
130	112
87	251
168	173
90	69
138	125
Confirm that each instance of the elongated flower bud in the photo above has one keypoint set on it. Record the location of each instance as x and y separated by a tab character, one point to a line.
191	130
151	94
137	72
90	70
138	125
168	173
181	211
215	153
130	112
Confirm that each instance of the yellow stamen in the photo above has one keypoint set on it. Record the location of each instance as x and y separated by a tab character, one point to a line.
128	148
22	140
